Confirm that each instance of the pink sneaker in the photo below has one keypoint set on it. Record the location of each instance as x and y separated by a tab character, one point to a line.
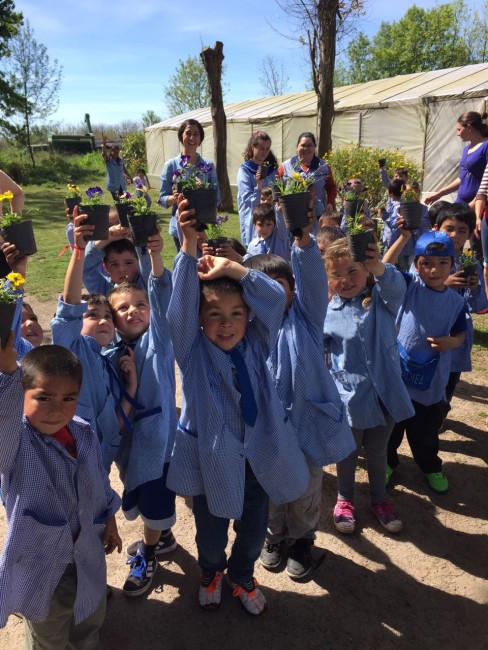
384	513
344	519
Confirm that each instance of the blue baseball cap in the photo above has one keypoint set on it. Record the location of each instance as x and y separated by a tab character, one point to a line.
434	242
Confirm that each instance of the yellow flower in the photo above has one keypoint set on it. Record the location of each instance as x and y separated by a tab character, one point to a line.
6	195
297	176
16	280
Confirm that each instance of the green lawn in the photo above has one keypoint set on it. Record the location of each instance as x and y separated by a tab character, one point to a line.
45	273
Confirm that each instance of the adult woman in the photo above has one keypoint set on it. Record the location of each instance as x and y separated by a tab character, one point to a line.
307	163
117	174
470	128
191	135
249	180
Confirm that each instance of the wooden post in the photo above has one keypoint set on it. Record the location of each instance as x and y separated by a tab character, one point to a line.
212	58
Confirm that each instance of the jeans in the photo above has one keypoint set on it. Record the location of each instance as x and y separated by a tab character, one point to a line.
374	442
212	533
423	437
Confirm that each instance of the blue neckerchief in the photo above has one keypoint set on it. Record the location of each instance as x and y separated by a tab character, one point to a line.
253	167
249	408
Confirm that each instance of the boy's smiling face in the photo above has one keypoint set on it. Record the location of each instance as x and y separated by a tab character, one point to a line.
457	230
99	324
132	314
223	318
434	270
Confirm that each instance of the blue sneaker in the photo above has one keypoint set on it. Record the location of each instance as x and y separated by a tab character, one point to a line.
140	576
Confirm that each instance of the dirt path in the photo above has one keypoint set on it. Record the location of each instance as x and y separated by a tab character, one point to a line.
425	588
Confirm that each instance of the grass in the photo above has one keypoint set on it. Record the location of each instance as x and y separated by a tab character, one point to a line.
480	332
46	269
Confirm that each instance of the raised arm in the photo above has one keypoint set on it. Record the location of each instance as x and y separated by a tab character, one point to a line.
11	405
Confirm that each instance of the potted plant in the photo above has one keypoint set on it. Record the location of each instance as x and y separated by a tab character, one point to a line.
96	213
294	197
124	207
263	169
467	263
410	207
215	232
15	231
143	221
353	204
201	194
73	197
359	237
8	304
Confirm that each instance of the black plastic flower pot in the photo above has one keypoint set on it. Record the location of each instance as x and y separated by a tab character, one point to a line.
263	170
142	226
470	270
124	210
72	202
4	266
7	313
359	244
96	215
204	202
354	207
411	211
295	208
22	235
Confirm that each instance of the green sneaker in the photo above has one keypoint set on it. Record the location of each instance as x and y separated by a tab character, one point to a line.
389	472
437	482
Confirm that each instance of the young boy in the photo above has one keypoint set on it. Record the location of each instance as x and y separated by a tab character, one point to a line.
147	440
84	325
326	235
60	506
309	396
272	235
431	322
233	446
458	221
30	328
121	260
267	196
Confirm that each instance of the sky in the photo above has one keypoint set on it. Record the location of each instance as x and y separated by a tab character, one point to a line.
118	56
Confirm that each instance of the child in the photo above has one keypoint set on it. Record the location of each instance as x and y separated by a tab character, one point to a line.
121	259
326	235
267	196
117	174
272	234
141	183
401	174
361	347
233	445
84	325
30	328
60	506
309	396
458	221
146	442
431	322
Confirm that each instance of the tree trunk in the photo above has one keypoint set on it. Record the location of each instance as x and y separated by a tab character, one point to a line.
327	15
212	58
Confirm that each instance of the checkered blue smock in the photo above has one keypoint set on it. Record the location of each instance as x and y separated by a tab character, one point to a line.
96	282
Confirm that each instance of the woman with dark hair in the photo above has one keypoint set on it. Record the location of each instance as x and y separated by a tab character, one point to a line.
470	128
191	135
249	181
307	163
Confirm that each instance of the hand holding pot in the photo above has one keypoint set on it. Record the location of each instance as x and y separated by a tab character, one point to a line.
17	264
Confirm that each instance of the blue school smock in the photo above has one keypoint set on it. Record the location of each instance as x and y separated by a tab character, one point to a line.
424	313
213	443
278	243
96	403
249	197
304	384
56	512
96	282
362	352
147	446
115	174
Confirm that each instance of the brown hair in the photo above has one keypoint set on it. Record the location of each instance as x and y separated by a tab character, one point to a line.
190	122
126	287
259	136
475	120
340	248
263	212
50	361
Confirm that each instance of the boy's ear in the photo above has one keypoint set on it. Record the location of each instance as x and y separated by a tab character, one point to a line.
435	227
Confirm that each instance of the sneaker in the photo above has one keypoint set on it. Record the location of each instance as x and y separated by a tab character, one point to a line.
252	598
389	472
166	544
384	513
300	560
437	482
210	590
141	574
344	519
270	556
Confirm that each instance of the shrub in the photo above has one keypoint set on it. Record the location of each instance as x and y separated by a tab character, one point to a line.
133	151
362	162
51	169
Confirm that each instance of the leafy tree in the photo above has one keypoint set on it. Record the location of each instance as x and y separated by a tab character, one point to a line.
187	89
10	100
37	81
149	118
133	151
273	78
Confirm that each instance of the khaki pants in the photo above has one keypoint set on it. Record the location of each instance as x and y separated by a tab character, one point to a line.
59	629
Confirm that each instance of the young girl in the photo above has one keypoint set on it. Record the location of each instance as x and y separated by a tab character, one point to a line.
141	184
361	348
